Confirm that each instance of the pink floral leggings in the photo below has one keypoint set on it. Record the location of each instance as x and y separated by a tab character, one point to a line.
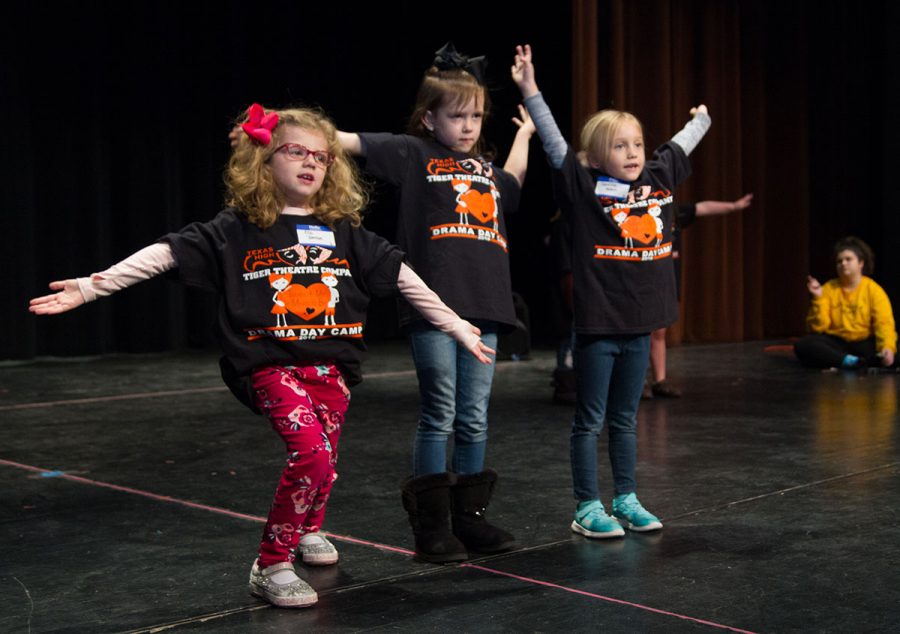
306	407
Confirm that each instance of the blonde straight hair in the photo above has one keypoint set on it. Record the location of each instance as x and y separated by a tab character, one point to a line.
598	133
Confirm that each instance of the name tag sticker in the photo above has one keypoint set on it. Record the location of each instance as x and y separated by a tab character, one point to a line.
315	236
608	187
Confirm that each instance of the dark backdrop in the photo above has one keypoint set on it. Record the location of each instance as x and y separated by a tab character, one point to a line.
115	119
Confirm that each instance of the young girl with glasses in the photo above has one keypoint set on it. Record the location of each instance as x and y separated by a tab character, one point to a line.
292	225
452	206
620	208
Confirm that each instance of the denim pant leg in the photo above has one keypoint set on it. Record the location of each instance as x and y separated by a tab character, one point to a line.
473	394
621	410
434	355
609	378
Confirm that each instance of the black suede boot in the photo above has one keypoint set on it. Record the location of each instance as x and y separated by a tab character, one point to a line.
427	500
470	497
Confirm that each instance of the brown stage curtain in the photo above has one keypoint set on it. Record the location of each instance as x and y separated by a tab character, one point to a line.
743	275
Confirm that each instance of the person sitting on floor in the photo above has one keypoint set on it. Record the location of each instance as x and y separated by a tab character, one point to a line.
850	319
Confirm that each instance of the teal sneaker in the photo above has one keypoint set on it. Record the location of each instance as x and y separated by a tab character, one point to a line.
633	515
591	520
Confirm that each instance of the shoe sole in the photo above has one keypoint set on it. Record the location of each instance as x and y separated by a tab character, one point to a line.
441	559
285	602
652	526
581	530
498	548
320	560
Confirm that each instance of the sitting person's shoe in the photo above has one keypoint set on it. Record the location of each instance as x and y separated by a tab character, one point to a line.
279	585
316	550
636	518
592	521
664	389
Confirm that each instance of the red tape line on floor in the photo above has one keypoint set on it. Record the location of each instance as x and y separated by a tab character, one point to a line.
354	540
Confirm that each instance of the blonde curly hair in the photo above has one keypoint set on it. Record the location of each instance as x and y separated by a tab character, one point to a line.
251	187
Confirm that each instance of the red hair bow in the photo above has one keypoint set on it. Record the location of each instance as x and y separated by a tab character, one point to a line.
259	125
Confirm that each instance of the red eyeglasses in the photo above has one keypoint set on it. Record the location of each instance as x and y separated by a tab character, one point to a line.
297	152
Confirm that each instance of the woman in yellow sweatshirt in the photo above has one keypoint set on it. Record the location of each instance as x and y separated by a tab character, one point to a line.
850	319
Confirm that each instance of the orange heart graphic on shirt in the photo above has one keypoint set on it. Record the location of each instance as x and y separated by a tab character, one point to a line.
479	204
306	302
641	228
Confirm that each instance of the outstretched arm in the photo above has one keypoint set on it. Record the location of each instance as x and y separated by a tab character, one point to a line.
350	141
718	207
517	161
67	297
691	134
438	313
70	294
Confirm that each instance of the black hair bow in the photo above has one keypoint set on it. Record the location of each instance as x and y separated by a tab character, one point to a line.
448	57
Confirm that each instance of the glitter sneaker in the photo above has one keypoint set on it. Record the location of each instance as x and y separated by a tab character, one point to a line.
281	589
591	520
633	515
316	550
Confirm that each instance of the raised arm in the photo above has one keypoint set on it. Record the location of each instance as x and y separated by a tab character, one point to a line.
524	77
718	207
517	161
523	71
351	143
426	301
691	134
70	294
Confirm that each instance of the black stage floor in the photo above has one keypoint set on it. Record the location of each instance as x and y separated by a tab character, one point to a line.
132	490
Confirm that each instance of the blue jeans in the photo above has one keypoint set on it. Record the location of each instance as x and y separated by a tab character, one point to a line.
609	377
454	389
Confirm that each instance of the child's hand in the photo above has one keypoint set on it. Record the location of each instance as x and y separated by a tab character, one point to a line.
813	286
526	125
234	135
481	351
523	71
887	357
700	108
474	344
743	202
68	298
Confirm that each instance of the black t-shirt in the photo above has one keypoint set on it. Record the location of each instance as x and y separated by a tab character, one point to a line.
560	246
685	215
621	250
451	222
293	294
